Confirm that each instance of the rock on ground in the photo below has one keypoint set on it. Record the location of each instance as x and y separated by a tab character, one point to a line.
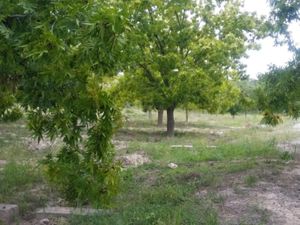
172	165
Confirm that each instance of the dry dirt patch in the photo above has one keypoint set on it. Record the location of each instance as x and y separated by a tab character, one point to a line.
35	145
134	159
273	203
119	145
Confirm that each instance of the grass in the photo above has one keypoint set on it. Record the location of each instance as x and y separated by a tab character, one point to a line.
226	153
250	180
16	184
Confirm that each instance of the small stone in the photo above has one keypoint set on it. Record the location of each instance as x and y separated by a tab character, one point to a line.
220	133
172	165
176	146
44	221
181	146
67	211
3	163
211	146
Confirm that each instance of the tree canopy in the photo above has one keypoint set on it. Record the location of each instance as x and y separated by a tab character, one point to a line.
280	87
187	52
61	50
279	92
284	12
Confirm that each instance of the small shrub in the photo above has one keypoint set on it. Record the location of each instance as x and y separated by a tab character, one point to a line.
12	114
79	181
286	156
271	119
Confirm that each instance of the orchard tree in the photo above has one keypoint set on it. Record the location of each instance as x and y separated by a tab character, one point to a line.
279	90
60	52
246	101
187	51
129	91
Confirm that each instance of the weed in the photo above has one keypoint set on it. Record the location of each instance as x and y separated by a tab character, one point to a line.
287	156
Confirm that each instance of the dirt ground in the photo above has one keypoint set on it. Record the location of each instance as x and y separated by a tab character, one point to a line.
274	200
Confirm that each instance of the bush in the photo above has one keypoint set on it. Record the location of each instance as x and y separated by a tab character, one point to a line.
286	156
81	181
271	119
11	114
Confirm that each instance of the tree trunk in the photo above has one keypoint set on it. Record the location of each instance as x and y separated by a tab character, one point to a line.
170	122
160	117
150	115
186	115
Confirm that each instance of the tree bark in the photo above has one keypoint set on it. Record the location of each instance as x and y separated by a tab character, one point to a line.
160	117
170	121
186	115
150	115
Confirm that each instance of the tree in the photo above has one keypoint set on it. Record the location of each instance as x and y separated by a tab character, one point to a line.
124	94
279	89
279	92
246	100
284	12
186	52
65	49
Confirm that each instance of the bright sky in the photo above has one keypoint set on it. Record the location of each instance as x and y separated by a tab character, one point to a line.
259	61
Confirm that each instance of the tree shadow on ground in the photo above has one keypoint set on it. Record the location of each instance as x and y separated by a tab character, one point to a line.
137	134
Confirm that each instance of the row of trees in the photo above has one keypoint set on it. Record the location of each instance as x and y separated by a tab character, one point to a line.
57	56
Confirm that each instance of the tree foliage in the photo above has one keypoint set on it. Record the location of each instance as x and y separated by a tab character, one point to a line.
284	12
187	52
62	50
279	91
247	99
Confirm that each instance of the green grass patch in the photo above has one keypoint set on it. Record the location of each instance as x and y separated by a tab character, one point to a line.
154	194
17	184
15	177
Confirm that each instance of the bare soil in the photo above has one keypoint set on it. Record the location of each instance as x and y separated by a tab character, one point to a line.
274	200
